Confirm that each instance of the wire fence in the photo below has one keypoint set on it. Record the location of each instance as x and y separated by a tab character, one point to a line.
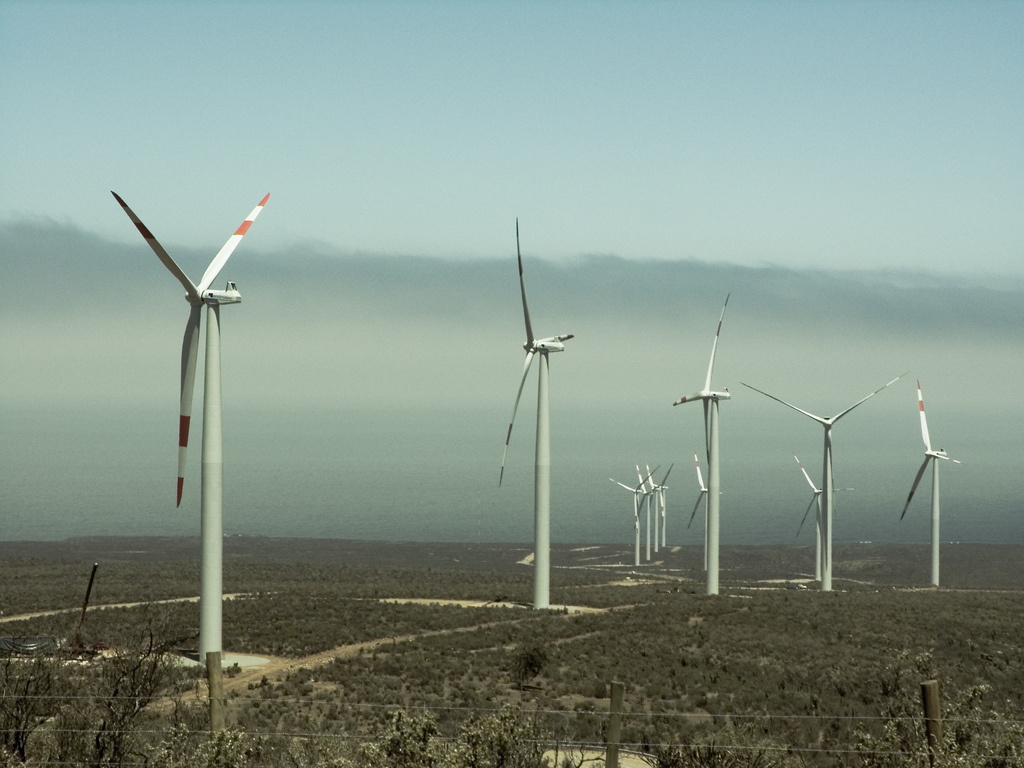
563	742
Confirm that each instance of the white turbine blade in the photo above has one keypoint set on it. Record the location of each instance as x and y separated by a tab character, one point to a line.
790	405
700	477
522	287
809	481
229	247
714	345
913	488
519	394
189	350
689	398
190	290
924	423
836	418
622	484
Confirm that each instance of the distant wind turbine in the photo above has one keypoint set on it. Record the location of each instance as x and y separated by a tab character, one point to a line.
659	489
638	492
702	496
930	455
710	399
646	484
542	462
828	489
213	460
817	520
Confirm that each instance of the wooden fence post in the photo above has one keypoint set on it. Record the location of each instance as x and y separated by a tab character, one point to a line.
215	685
932	717
614	726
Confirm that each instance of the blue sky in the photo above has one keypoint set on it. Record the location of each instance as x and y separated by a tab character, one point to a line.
831	135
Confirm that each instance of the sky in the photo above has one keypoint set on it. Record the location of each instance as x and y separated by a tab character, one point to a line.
850	173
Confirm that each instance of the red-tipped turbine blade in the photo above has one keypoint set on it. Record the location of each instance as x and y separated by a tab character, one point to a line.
924	423
190	290
519	394
229	247
189	350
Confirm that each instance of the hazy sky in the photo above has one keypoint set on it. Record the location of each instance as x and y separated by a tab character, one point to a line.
851	172
834	134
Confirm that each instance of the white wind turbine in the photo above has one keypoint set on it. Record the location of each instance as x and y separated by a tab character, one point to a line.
817	520
212	495
637	492
828	489
930	455
659	491
701	496
648	486
710	399
652	500
542	464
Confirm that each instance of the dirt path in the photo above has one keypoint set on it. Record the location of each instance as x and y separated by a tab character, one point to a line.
277	668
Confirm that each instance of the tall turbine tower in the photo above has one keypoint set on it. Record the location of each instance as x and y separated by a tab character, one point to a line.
211	596
817	519
659	490
542	464
930	455
827	487
637	492
710	399
701	496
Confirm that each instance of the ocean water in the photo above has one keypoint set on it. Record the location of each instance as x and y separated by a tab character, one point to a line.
406	474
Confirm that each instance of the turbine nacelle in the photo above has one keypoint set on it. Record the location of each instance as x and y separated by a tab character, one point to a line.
229	295
704	395
550	344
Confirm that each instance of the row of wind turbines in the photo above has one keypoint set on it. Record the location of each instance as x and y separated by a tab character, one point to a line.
710	398
211	592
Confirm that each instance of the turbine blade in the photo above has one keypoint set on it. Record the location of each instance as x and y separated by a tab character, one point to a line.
790	405
920	474
696	507
690	398
229	247
836	418
924	423
814	498
667	473
190	290
189	350
809	481
714	345
519	394
700	477
522	287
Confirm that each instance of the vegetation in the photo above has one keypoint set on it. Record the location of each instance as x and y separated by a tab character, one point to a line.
762	675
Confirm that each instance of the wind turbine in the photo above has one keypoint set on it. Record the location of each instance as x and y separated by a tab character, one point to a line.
637	493
659	490
702	496
828	490
817	519
710	399
930	455
212	495
542	463
648	496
